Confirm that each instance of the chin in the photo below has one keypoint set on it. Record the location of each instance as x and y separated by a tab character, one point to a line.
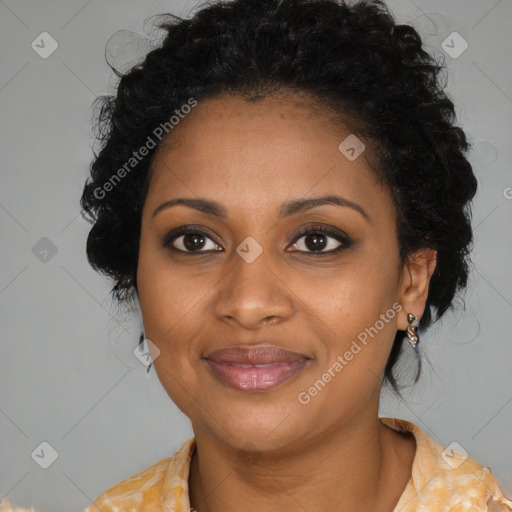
264	427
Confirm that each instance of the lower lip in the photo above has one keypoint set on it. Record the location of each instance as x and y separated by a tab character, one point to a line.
255	378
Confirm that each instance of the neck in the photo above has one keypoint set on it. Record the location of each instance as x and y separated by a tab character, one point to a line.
361	465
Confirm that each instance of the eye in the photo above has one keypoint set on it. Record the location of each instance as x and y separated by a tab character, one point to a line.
316	240
190	240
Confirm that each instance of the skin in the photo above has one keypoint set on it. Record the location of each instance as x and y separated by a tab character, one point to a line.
266	450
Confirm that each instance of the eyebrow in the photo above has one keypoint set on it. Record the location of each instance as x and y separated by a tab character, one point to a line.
287	209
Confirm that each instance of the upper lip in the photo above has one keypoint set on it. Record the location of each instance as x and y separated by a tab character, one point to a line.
260	354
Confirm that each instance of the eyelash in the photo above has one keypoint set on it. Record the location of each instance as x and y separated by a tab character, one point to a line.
341	237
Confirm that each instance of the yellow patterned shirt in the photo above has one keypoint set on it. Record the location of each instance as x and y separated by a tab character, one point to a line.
442	480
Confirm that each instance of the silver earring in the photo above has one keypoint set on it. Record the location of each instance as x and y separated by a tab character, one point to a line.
411	331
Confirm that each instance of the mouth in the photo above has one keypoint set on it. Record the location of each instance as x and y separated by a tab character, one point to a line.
257	368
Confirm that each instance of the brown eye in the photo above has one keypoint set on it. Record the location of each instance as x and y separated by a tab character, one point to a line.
321	240
190	240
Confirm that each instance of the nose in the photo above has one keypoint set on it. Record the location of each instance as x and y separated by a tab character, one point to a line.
252	295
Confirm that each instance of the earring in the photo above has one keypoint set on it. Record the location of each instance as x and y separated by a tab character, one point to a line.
411	331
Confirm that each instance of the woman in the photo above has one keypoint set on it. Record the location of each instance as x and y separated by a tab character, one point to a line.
283	190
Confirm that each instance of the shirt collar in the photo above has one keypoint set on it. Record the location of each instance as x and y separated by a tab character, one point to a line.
176	491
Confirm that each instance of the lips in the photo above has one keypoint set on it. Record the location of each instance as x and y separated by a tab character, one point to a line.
255	368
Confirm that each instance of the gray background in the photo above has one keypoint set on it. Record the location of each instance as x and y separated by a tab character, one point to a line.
68	375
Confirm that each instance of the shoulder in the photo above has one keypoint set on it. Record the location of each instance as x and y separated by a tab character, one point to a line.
463	480
448	476
498	505
5	506
162	486
462	483
135	491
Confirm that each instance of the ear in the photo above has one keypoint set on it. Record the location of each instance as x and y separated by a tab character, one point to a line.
415	281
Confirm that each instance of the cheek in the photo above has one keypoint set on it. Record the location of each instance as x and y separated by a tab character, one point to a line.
352	296
360	325
355	312
172	304
166	294
170	322
162	307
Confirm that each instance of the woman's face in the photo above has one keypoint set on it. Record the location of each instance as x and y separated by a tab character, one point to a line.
250	282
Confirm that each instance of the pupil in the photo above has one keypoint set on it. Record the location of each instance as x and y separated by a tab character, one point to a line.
318	242
190	241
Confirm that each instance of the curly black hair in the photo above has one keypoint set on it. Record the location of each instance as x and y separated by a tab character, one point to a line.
352	58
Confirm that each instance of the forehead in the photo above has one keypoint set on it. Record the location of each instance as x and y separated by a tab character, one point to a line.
226	116
252	152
